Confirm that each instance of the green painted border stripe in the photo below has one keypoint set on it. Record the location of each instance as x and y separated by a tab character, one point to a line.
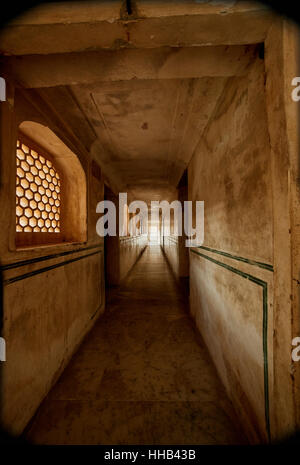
30	261
264	285
265	266
47	268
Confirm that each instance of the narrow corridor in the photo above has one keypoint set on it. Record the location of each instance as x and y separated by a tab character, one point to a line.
171	124
141	376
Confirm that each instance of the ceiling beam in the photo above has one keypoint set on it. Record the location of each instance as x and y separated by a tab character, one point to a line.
35	71
68	29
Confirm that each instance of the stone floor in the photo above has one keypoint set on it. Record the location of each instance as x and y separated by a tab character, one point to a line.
141	376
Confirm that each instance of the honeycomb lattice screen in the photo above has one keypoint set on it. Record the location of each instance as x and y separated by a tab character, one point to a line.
37	192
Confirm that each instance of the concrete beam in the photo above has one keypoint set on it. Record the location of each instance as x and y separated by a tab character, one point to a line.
165	63
76	28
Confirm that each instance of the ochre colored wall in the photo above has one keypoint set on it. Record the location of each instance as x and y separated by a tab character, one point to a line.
52	295
170	246
130	250
121	252
174	246
231	294
244	279
282	62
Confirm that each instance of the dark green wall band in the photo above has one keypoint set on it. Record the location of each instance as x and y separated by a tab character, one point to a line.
47	268
29	261
264	286
265	266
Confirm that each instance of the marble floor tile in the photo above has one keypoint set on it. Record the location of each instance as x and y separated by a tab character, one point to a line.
141	376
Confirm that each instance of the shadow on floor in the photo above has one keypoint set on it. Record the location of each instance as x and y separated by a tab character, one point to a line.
141	376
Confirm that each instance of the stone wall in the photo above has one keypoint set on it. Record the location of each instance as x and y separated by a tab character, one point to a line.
52	294
130	249
231	274
121	252
170	246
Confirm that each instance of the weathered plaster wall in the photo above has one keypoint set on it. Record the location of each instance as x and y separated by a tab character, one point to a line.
245	168
51	294
121	252
130	250
230	295
169	242
282	65
173	246
121	255
170	247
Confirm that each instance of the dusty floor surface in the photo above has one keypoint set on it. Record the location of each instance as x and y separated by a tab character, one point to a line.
141	376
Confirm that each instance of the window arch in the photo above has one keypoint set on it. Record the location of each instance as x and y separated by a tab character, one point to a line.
50	189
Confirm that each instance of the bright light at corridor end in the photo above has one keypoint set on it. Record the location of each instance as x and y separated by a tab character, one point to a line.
179	223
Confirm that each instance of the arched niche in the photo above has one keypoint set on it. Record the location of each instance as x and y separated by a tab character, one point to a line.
73	186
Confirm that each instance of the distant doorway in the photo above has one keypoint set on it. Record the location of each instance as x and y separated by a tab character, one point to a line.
153	235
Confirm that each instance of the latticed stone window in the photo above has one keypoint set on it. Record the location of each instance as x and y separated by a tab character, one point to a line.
38	191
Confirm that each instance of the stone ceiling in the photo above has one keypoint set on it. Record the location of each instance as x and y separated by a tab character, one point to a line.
136	90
